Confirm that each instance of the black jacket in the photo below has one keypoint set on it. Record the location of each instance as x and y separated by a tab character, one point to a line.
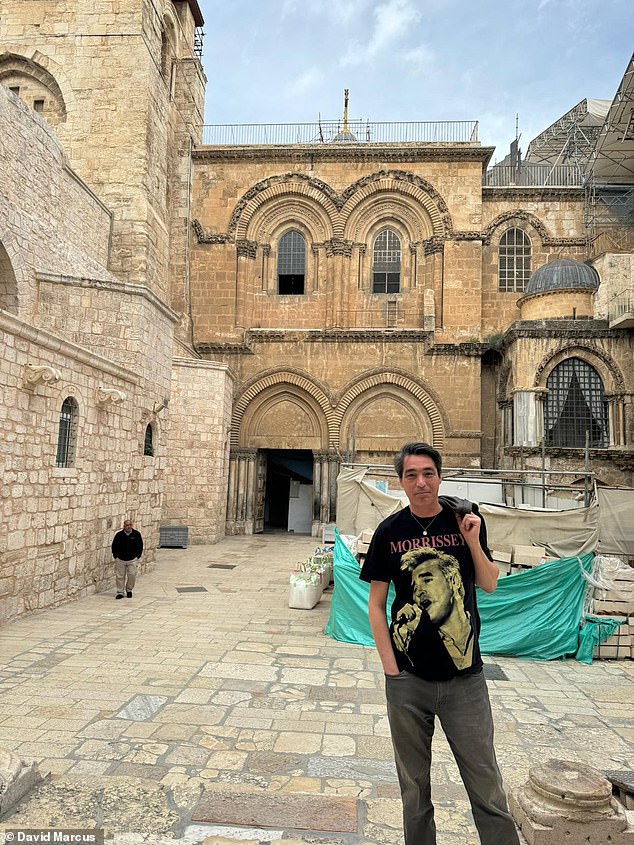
127	546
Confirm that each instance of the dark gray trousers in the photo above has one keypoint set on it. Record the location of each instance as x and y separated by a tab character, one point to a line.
462	705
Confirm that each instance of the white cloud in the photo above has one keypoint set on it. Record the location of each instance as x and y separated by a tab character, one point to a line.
418	58
393	21
305	84
342	11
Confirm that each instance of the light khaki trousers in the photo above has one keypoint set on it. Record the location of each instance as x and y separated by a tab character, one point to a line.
125	574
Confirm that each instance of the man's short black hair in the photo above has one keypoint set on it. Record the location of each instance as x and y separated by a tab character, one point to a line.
417	449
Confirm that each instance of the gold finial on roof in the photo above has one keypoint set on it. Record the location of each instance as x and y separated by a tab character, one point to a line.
345	109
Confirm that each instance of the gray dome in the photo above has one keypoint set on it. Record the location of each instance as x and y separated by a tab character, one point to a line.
562	274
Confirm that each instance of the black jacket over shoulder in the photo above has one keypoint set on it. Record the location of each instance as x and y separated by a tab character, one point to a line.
127	546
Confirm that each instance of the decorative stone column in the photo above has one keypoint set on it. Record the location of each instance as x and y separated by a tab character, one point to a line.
528	416
571	803
241	491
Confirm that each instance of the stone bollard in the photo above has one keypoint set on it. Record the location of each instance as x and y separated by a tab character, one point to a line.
566	802
17	777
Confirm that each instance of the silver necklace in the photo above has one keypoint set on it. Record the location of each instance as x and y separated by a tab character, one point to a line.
429	524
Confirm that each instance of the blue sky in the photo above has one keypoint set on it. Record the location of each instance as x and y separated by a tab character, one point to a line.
286	61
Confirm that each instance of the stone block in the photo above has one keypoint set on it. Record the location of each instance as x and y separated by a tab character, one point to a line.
569	802
17	778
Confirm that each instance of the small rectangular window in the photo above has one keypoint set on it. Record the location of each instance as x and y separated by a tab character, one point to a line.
386	282
38	106
290	284
15	89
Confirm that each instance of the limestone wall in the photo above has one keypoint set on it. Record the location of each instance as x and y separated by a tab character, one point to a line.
198	455
616	272
57	522
244	199
49	220
554	222
130	91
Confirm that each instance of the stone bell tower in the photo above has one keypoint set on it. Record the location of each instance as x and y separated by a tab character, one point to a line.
121	83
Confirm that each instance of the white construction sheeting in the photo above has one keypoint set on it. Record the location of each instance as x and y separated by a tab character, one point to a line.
607	525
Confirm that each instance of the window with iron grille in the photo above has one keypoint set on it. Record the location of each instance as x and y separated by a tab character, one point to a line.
148	443
575	404
386	263
291	263
66	437
514	261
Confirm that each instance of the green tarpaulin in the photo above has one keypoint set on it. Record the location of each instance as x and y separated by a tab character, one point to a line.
536	613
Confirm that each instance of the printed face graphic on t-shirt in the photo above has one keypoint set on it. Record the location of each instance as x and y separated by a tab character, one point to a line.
432	591
437	593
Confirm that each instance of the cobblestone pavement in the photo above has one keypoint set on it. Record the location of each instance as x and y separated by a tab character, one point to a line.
204	709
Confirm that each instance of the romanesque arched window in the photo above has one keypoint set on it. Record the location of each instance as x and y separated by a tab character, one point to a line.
67	435
575	404
291	263
386	262
514	261
148	441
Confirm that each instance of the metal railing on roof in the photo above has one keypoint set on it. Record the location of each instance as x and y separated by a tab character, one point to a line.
534	175
332	132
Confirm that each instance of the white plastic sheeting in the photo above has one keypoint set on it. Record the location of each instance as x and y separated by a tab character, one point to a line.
606	526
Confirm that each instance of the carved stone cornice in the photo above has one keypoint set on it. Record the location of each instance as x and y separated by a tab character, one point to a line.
558	328
412	152
205	237
623	457
246	249
40	374
467	236
219	348
431	246
243	454
110	396
533	193
370	336
339	246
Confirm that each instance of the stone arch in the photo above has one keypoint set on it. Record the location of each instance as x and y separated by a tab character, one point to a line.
382	382
505	382
522	220
604	364
8	283
13	67
169	45
272	387
290	211
313	192
413	192
385	208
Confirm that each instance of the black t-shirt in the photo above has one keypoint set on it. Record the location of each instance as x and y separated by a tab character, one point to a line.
435	623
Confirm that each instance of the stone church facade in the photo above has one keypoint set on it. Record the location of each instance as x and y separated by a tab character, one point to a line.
200	334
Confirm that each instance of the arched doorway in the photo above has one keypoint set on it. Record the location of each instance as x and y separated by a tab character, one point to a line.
282	475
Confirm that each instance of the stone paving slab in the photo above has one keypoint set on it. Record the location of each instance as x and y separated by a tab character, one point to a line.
138	710
303	812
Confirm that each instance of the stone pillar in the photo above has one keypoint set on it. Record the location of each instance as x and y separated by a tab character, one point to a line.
241	491
528	416
249	517
571	803
317	466
333	472
231	492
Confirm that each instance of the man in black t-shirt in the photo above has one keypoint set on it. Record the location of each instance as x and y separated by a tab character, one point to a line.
435	553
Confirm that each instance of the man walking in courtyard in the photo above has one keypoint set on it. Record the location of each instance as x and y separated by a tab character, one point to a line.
435	552
127	548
